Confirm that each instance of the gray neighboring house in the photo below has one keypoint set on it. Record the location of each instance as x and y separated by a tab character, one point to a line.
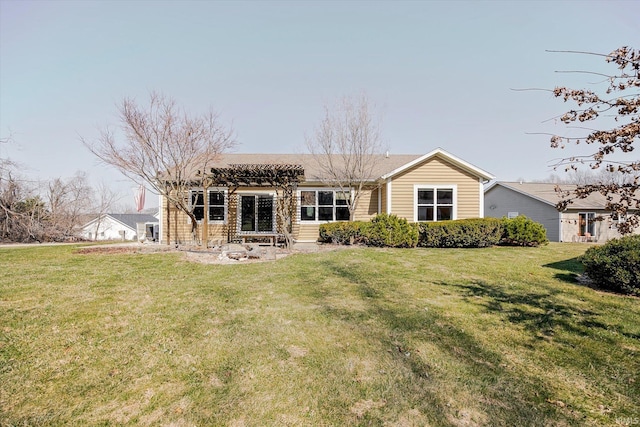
120	227
536	200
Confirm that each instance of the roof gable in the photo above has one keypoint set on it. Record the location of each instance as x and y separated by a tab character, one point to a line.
439	152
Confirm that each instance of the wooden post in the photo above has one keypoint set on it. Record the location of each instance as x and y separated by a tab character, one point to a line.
205	218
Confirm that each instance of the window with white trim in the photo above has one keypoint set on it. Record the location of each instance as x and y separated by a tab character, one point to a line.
324	205
434	203
217	205
587	224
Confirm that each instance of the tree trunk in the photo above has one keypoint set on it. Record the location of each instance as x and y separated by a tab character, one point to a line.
205	217
168	223
175	226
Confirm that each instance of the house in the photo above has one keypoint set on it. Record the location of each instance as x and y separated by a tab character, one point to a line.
430	187
583	220
121	227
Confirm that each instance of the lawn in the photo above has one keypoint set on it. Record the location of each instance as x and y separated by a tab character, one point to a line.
398	337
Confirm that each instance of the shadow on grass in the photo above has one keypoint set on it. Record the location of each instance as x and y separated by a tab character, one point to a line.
396	327
539	313
571	269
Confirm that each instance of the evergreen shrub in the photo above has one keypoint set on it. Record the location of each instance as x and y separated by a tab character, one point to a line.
615	265
461	233
523	231
342	232
390	231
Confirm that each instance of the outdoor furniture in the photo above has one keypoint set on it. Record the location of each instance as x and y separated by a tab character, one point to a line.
262	239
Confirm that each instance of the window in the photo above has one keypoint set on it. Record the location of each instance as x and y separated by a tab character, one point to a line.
256	213
618	219
435	203
587	224
217	206
324	205
512	215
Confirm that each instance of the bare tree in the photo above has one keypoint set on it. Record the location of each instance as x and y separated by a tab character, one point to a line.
347	147
21	210
104	200
620	101
68	201
164	148
590	177
23	214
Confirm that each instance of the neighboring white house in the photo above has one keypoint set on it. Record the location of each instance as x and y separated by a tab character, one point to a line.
584	220
120	227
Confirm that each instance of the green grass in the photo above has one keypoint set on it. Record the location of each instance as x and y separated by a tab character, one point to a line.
495	337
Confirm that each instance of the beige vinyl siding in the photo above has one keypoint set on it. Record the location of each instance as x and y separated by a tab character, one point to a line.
436	171
307	232
368	205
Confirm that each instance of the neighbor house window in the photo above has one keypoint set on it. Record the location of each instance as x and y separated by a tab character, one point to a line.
217	207
587	224
618	219
324	205
435	203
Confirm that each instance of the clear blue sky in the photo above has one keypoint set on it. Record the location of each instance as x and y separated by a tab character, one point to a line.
440	73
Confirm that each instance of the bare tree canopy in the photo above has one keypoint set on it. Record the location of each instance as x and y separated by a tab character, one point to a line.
164	148
347	147
617	107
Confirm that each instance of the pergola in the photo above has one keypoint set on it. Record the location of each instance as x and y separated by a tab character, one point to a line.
256	175
284	178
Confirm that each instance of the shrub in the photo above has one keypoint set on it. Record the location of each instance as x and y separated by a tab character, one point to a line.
523	231
462	233
391	231
342	232
615	265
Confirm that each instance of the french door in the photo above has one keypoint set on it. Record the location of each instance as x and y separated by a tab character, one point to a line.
256	213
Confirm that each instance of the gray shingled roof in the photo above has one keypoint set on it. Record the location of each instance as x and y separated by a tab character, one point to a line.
130	220
545	192
384	163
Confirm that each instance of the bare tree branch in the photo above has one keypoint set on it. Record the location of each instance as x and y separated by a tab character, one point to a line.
164	148
622	98
347	147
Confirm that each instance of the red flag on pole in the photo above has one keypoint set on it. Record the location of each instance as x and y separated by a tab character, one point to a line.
138	197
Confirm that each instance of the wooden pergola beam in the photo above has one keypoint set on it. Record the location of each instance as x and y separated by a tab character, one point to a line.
256	175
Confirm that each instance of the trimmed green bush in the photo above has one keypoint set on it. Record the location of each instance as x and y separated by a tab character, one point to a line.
461	233
390	231
342	232
615	265
523	231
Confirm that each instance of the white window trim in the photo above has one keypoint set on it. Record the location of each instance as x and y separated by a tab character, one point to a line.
206	214
454	187
481	198
586	216
299	203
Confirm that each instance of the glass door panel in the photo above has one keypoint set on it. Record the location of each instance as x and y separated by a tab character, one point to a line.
248	213
265	213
